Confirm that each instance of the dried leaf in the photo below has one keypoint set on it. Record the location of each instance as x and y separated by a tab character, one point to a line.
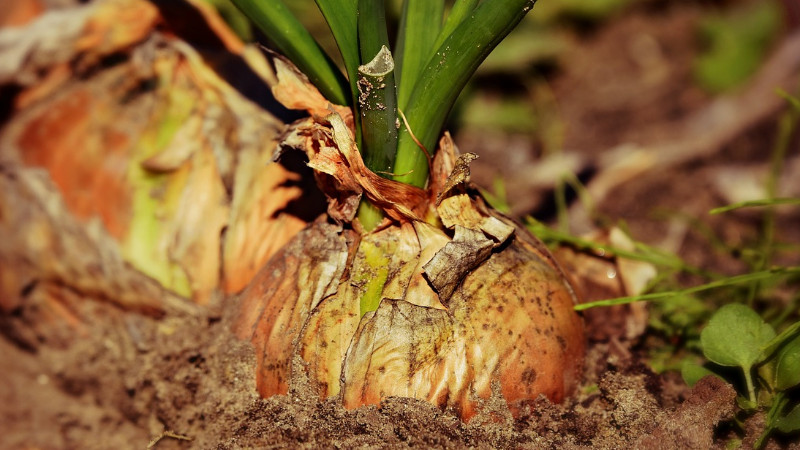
399	200
458	176
294	91
477	231
344	178
444	162
457	207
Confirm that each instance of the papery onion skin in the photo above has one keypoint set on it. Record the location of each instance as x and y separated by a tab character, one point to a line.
509	321
277	304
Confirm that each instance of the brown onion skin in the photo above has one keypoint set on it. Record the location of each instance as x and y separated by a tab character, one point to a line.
277	303
510	322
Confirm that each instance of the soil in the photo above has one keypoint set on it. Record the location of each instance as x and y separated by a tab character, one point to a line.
121	379
131	378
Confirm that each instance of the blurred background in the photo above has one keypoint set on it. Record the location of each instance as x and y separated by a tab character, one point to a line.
577	79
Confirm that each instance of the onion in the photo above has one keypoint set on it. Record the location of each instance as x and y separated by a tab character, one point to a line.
464	301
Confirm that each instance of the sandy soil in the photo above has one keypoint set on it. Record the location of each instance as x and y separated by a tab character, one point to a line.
131	378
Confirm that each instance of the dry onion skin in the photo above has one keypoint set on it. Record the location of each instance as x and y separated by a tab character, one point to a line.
157	153
467	299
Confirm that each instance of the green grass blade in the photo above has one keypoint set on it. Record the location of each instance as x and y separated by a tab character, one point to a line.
296	43
756	203
445	75
793	101
730	281
459	12
642	253
420	23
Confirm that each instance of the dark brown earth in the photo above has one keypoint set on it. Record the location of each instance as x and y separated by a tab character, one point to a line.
120	379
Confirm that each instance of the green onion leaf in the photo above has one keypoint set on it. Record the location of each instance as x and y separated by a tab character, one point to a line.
378	104
377	95
460	10
445	75
341	16
296	43
377	98
420	23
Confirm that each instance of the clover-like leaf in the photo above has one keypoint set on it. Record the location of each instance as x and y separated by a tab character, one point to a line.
787	365
790	422
734	336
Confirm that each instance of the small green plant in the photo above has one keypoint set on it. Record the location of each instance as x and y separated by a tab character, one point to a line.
736	336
